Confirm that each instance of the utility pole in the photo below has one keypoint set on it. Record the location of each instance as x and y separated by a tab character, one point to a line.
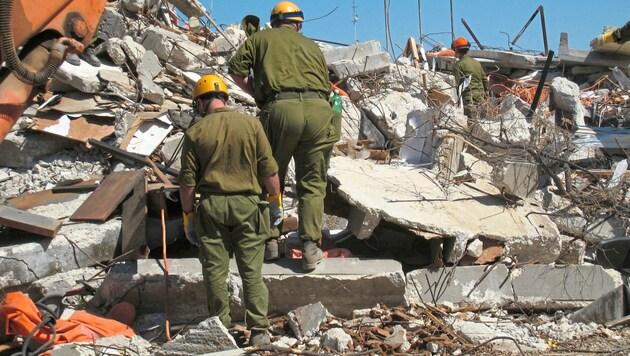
355	20
452	24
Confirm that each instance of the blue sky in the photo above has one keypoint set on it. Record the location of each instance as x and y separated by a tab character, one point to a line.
582	19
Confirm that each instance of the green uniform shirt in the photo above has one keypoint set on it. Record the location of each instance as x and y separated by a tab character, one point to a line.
226	152
622	34
468	66
282	60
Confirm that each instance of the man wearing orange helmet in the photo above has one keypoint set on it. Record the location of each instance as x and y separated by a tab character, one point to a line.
291	87
224	156
468	67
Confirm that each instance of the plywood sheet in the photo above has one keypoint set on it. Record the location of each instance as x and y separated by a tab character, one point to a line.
76	128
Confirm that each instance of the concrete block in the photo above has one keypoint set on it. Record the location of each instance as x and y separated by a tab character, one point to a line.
392	110
170	152
134	5
23	150
112	25
398	339
337	339
548	286
62	282
461	286
359	50
342	285
305	321
24	259
572	251
136	346
516	178
376	63
115	51
511	127
233	35
565	96
363	221
207	337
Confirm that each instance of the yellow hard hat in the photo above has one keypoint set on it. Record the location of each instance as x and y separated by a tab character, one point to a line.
286	10
209	84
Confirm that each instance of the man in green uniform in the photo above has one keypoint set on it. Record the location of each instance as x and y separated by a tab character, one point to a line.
467	70
290	85
224	156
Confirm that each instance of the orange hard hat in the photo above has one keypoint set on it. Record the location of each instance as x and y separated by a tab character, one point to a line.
460	42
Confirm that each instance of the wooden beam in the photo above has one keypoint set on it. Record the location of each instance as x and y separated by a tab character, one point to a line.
134	217
106	198
25	221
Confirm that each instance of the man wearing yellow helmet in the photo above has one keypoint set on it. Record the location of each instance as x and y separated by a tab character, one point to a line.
224	156
290	85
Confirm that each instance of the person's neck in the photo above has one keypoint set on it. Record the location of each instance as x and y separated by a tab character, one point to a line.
216	104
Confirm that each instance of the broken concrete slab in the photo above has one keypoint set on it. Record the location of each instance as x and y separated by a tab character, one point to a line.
413	200
391	110
134	5
232	37
372	64
171	150
305	321
480	286
190	8
364	49
78	245
337	339
151	91
149	65
536	287
511	127
546	286
61	283
83	77
208	337
365	283
610	307
22	150
136	346
175	49
113	47
133	49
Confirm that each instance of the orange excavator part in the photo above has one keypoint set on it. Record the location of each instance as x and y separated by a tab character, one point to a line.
75	21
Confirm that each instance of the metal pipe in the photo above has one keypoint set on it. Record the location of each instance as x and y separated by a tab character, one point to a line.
539	89
472	34
452	24
544	28
132	157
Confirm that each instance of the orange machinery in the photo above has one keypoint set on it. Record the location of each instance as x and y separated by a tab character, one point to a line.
43	31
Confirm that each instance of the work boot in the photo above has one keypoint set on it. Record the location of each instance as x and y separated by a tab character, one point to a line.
73	59
89	56
259	338
311	255
271	250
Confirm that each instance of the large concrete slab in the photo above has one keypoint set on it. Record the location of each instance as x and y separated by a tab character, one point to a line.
532	286
342	285
413	199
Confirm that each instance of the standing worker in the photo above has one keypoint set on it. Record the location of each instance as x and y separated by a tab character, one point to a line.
224	156
468	69
291	87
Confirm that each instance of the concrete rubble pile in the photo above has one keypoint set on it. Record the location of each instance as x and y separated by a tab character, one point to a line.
453	227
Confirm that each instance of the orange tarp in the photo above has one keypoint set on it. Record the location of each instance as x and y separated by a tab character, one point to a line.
19	316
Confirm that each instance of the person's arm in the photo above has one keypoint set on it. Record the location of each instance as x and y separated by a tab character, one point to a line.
243	83
187	198
272	183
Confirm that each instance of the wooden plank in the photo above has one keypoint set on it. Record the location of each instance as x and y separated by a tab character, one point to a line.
54	196
134	216
25	221
104	200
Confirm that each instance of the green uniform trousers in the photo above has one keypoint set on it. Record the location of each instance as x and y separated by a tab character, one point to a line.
239	225
306	129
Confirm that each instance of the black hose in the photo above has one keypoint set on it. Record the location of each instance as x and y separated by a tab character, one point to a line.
11	58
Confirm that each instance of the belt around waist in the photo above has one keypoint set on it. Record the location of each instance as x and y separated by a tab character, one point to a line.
299	95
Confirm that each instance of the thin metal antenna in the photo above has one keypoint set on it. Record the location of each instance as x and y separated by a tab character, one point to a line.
452	24
355	20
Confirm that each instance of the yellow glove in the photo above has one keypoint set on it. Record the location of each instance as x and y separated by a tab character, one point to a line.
276	211
602	39
190	221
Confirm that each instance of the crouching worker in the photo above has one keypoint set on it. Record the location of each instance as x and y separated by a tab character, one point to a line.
225	156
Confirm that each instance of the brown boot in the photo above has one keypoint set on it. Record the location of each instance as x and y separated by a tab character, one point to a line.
311	255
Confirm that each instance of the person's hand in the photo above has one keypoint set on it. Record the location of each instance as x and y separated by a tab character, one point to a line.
276	211
190	221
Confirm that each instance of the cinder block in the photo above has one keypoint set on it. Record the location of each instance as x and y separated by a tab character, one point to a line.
375	63
359	50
